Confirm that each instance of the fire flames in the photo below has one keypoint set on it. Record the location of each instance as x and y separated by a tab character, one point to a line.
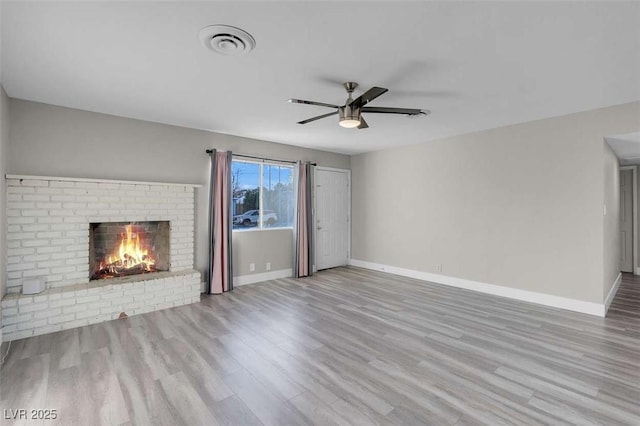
131	256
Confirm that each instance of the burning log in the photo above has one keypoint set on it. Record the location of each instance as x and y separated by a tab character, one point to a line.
116	269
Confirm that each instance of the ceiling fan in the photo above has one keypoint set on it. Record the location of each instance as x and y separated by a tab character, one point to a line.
350	113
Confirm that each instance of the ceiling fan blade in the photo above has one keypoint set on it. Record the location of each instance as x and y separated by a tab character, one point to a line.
368	96
403	111
322	104
363	123
309	120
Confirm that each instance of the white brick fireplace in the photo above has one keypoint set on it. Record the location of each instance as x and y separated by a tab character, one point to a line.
48	239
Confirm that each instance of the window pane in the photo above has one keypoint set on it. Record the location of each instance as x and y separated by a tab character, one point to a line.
277	196
245	185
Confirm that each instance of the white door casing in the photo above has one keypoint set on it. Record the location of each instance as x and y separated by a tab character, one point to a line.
332	221
626	220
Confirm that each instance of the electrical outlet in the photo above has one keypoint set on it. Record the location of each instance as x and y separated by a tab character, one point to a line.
268	266
252	267
439	267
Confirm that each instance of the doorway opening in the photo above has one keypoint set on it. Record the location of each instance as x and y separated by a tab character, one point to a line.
628	219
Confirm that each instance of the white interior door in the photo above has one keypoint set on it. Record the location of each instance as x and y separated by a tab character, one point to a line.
332	218
626	220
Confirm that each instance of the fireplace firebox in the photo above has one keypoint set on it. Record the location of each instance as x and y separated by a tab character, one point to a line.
120	249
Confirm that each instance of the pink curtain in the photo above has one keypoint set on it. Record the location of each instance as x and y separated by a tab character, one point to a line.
302	264
220	224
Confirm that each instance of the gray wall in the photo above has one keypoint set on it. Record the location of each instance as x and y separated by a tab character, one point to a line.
519	206
55	141
276	246
611	220
4	142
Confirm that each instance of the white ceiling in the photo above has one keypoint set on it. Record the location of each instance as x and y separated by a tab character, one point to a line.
475	65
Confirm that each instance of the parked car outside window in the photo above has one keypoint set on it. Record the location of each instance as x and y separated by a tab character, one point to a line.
250	218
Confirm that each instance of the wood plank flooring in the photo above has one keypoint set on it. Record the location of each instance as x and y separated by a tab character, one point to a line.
345	347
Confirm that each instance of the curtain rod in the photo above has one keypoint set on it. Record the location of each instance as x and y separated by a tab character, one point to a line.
209	151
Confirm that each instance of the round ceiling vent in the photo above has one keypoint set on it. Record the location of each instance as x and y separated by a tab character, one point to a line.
227	40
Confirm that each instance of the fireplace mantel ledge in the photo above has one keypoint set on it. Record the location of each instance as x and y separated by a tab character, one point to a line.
72	179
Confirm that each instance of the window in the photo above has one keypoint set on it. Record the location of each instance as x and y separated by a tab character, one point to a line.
262	195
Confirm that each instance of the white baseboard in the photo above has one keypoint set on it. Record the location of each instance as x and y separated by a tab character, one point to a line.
264	276
637	271
597	309
612	293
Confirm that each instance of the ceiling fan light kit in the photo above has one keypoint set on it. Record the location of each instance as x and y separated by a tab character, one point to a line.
350	114
349	117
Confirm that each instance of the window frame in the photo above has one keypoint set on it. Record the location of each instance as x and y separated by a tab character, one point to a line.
261	163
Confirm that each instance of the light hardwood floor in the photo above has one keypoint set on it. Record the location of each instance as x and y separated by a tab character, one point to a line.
346	346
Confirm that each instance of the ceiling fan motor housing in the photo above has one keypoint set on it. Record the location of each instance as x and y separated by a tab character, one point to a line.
347	112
